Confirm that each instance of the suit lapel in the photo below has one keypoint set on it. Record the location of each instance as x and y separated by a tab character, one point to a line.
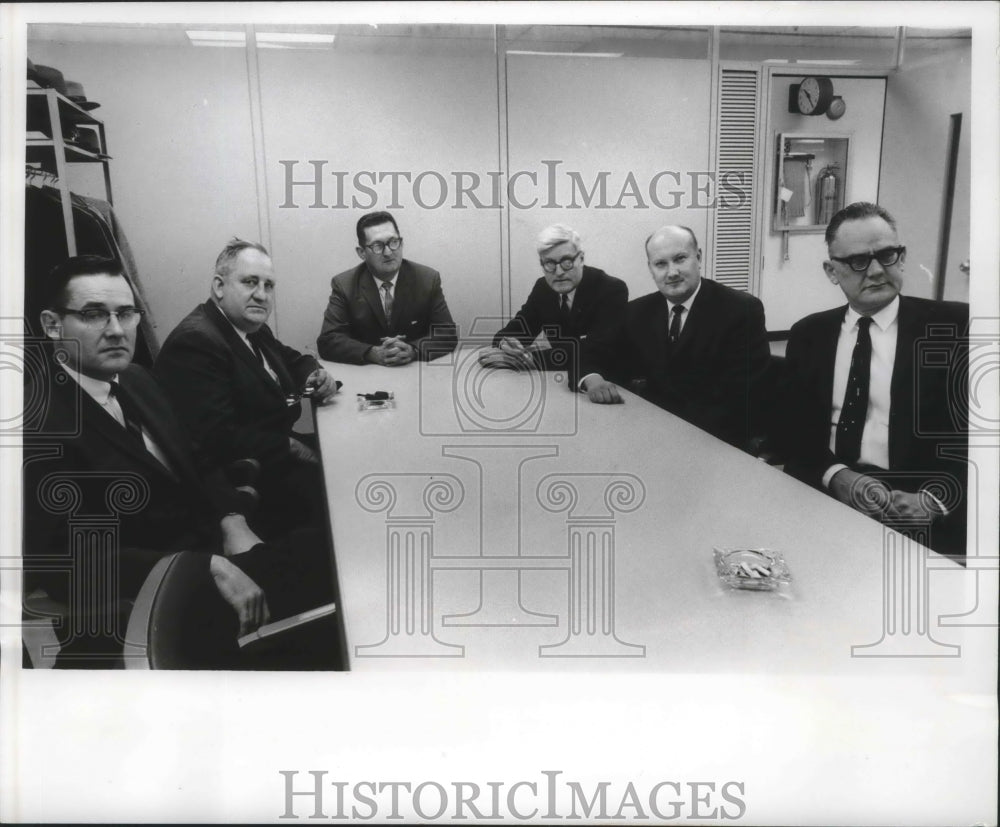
240	349
99	421
901	396
581	300
167	439
403	299
659	331
826	349
368	292
269	348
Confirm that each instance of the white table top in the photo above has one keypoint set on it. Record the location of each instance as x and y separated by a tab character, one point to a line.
498	465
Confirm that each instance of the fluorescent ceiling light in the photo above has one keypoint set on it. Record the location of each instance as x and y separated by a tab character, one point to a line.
830	62
211	37
293	39
565	54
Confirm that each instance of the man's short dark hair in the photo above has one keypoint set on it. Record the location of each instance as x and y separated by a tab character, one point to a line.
59	277
229	254
373	219
855	212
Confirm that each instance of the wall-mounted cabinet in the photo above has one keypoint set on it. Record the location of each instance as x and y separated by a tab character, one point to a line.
810	181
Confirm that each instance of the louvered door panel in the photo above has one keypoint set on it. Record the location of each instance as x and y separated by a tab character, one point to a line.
736	185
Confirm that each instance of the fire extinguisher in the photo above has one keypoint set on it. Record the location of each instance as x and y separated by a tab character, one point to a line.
827	193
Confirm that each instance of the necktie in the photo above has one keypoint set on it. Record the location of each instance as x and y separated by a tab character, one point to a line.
675	322
132	419
563	310
855	407
387	300
254	340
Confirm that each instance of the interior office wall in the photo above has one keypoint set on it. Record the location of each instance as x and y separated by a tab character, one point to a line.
426	114
615	118
177	121
919	103
794	288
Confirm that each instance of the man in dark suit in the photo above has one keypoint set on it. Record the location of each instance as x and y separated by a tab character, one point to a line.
236	387
387	310
110	485
876	393
569	302
696	347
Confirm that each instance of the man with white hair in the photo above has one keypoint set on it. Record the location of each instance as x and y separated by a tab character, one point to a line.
568	303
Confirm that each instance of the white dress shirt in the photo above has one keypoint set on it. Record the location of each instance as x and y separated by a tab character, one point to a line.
246	341
884	331
686	304
100	392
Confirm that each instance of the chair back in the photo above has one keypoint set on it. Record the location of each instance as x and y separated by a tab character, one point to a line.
179	620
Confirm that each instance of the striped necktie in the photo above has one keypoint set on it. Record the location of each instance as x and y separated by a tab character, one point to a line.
387	300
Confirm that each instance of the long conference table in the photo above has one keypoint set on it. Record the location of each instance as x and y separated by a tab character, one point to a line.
492	520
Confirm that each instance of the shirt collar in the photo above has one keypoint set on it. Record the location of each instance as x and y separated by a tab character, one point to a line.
686	304
97	389
380	282
242	334
882	319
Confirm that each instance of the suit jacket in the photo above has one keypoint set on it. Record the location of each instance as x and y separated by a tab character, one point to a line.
709	377
76	440
928	409
226	399
598	304
354	320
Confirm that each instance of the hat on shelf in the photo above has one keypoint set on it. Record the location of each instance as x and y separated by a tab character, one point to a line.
84	138
74	91
32	74
49	77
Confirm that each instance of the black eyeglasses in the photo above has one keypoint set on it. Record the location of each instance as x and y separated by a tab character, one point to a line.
860	263
566	263
378	247
100	317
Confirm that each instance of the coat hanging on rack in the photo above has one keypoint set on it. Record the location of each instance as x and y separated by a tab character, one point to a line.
45	247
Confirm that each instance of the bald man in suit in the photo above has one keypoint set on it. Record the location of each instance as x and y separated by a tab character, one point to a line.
695	347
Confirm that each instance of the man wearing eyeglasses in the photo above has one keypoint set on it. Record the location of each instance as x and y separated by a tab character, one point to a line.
387	310
237	387
108	455
876	395
569	302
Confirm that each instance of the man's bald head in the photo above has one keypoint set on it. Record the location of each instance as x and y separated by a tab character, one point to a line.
674	261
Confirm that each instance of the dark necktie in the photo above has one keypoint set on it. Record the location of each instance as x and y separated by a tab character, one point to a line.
254	340
855	407
133	422
563	312
675	322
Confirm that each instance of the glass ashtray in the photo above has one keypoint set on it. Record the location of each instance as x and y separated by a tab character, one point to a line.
378	401
756	569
